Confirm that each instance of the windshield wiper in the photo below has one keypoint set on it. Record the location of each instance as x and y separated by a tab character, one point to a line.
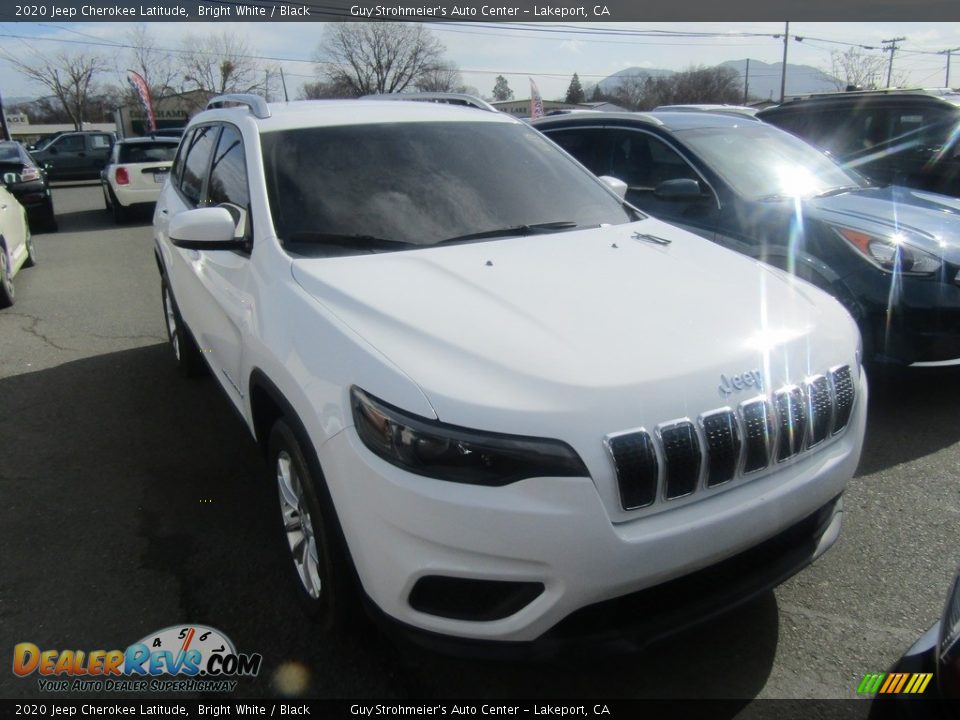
349	241
839	190
513	230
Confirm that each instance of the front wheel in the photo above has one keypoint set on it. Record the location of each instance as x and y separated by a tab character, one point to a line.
189	360
7	294
317	552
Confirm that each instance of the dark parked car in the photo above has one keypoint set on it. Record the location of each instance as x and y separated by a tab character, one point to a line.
890	255
903	137
29	186
76	155
936	653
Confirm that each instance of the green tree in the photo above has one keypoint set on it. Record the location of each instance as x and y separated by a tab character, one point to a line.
501	89
575	94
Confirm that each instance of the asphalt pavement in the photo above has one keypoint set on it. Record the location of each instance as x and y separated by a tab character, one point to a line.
134	500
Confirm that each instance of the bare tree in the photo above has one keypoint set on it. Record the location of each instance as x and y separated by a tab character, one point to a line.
68	76
854	68
221	63
693	86
444	77
377	57
160	68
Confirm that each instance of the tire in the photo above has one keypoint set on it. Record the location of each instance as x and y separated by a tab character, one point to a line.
190	362
7	293
317	554
31	250
120	213
50	224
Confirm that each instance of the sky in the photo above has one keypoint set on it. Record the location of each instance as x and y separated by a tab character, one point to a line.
528	50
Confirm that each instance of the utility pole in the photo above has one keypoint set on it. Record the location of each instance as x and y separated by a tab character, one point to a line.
892	48
3	122
266	85
783	70
946	82
746	83
283	81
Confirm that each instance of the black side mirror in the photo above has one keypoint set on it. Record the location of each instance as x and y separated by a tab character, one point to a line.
679	189
10	178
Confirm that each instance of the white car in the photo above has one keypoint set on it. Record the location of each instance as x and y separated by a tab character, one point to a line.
135	173
498	401
16	245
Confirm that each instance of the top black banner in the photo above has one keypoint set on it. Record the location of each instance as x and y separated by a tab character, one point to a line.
558	11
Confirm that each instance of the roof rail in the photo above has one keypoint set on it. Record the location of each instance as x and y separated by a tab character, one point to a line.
257	105
437	97
932	92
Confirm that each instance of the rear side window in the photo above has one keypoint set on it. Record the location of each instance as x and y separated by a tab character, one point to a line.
196	162
589	146
68	143
99	142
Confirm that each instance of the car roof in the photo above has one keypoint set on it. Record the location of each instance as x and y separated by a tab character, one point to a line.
667	119
328	113
894	96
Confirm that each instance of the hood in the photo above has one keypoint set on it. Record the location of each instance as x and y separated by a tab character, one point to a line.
931	221
592	327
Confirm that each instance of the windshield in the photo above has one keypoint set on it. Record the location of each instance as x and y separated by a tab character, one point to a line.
762	162
402	185
10	153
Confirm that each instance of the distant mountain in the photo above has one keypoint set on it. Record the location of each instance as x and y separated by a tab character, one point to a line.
764	78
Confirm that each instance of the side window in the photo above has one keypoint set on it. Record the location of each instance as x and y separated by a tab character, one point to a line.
586	145
228	179
196	162
642	161
99	142
68	143
176	172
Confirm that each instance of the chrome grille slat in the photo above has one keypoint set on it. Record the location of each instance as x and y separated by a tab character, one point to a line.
819	409
635	459
843	394
792	418
722	438
681	455
757	432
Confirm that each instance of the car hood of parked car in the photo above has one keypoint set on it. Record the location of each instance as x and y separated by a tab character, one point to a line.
601	324
931	221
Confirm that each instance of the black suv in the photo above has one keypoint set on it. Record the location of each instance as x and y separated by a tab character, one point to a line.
901	137
27	180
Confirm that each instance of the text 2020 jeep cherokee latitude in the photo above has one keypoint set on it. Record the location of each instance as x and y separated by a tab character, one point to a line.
509	405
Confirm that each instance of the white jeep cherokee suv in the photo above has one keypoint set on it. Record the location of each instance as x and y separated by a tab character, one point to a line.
498	402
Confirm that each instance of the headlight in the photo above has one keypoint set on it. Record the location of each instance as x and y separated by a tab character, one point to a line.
437	450
948	648
893	254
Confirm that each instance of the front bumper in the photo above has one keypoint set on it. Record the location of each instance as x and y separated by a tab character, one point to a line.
911	320
556	532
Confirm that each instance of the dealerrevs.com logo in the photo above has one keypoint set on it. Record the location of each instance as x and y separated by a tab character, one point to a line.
192	658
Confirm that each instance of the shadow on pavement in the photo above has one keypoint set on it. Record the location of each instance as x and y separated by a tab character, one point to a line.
137	500
918	406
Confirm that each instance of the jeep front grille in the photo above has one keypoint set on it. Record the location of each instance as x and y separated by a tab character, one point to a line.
725	444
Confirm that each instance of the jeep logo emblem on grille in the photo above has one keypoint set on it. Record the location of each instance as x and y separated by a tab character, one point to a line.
736	383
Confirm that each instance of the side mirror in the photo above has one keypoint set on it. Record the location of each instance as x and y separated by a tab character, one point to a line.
10	178
680	189
615	184
204	229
